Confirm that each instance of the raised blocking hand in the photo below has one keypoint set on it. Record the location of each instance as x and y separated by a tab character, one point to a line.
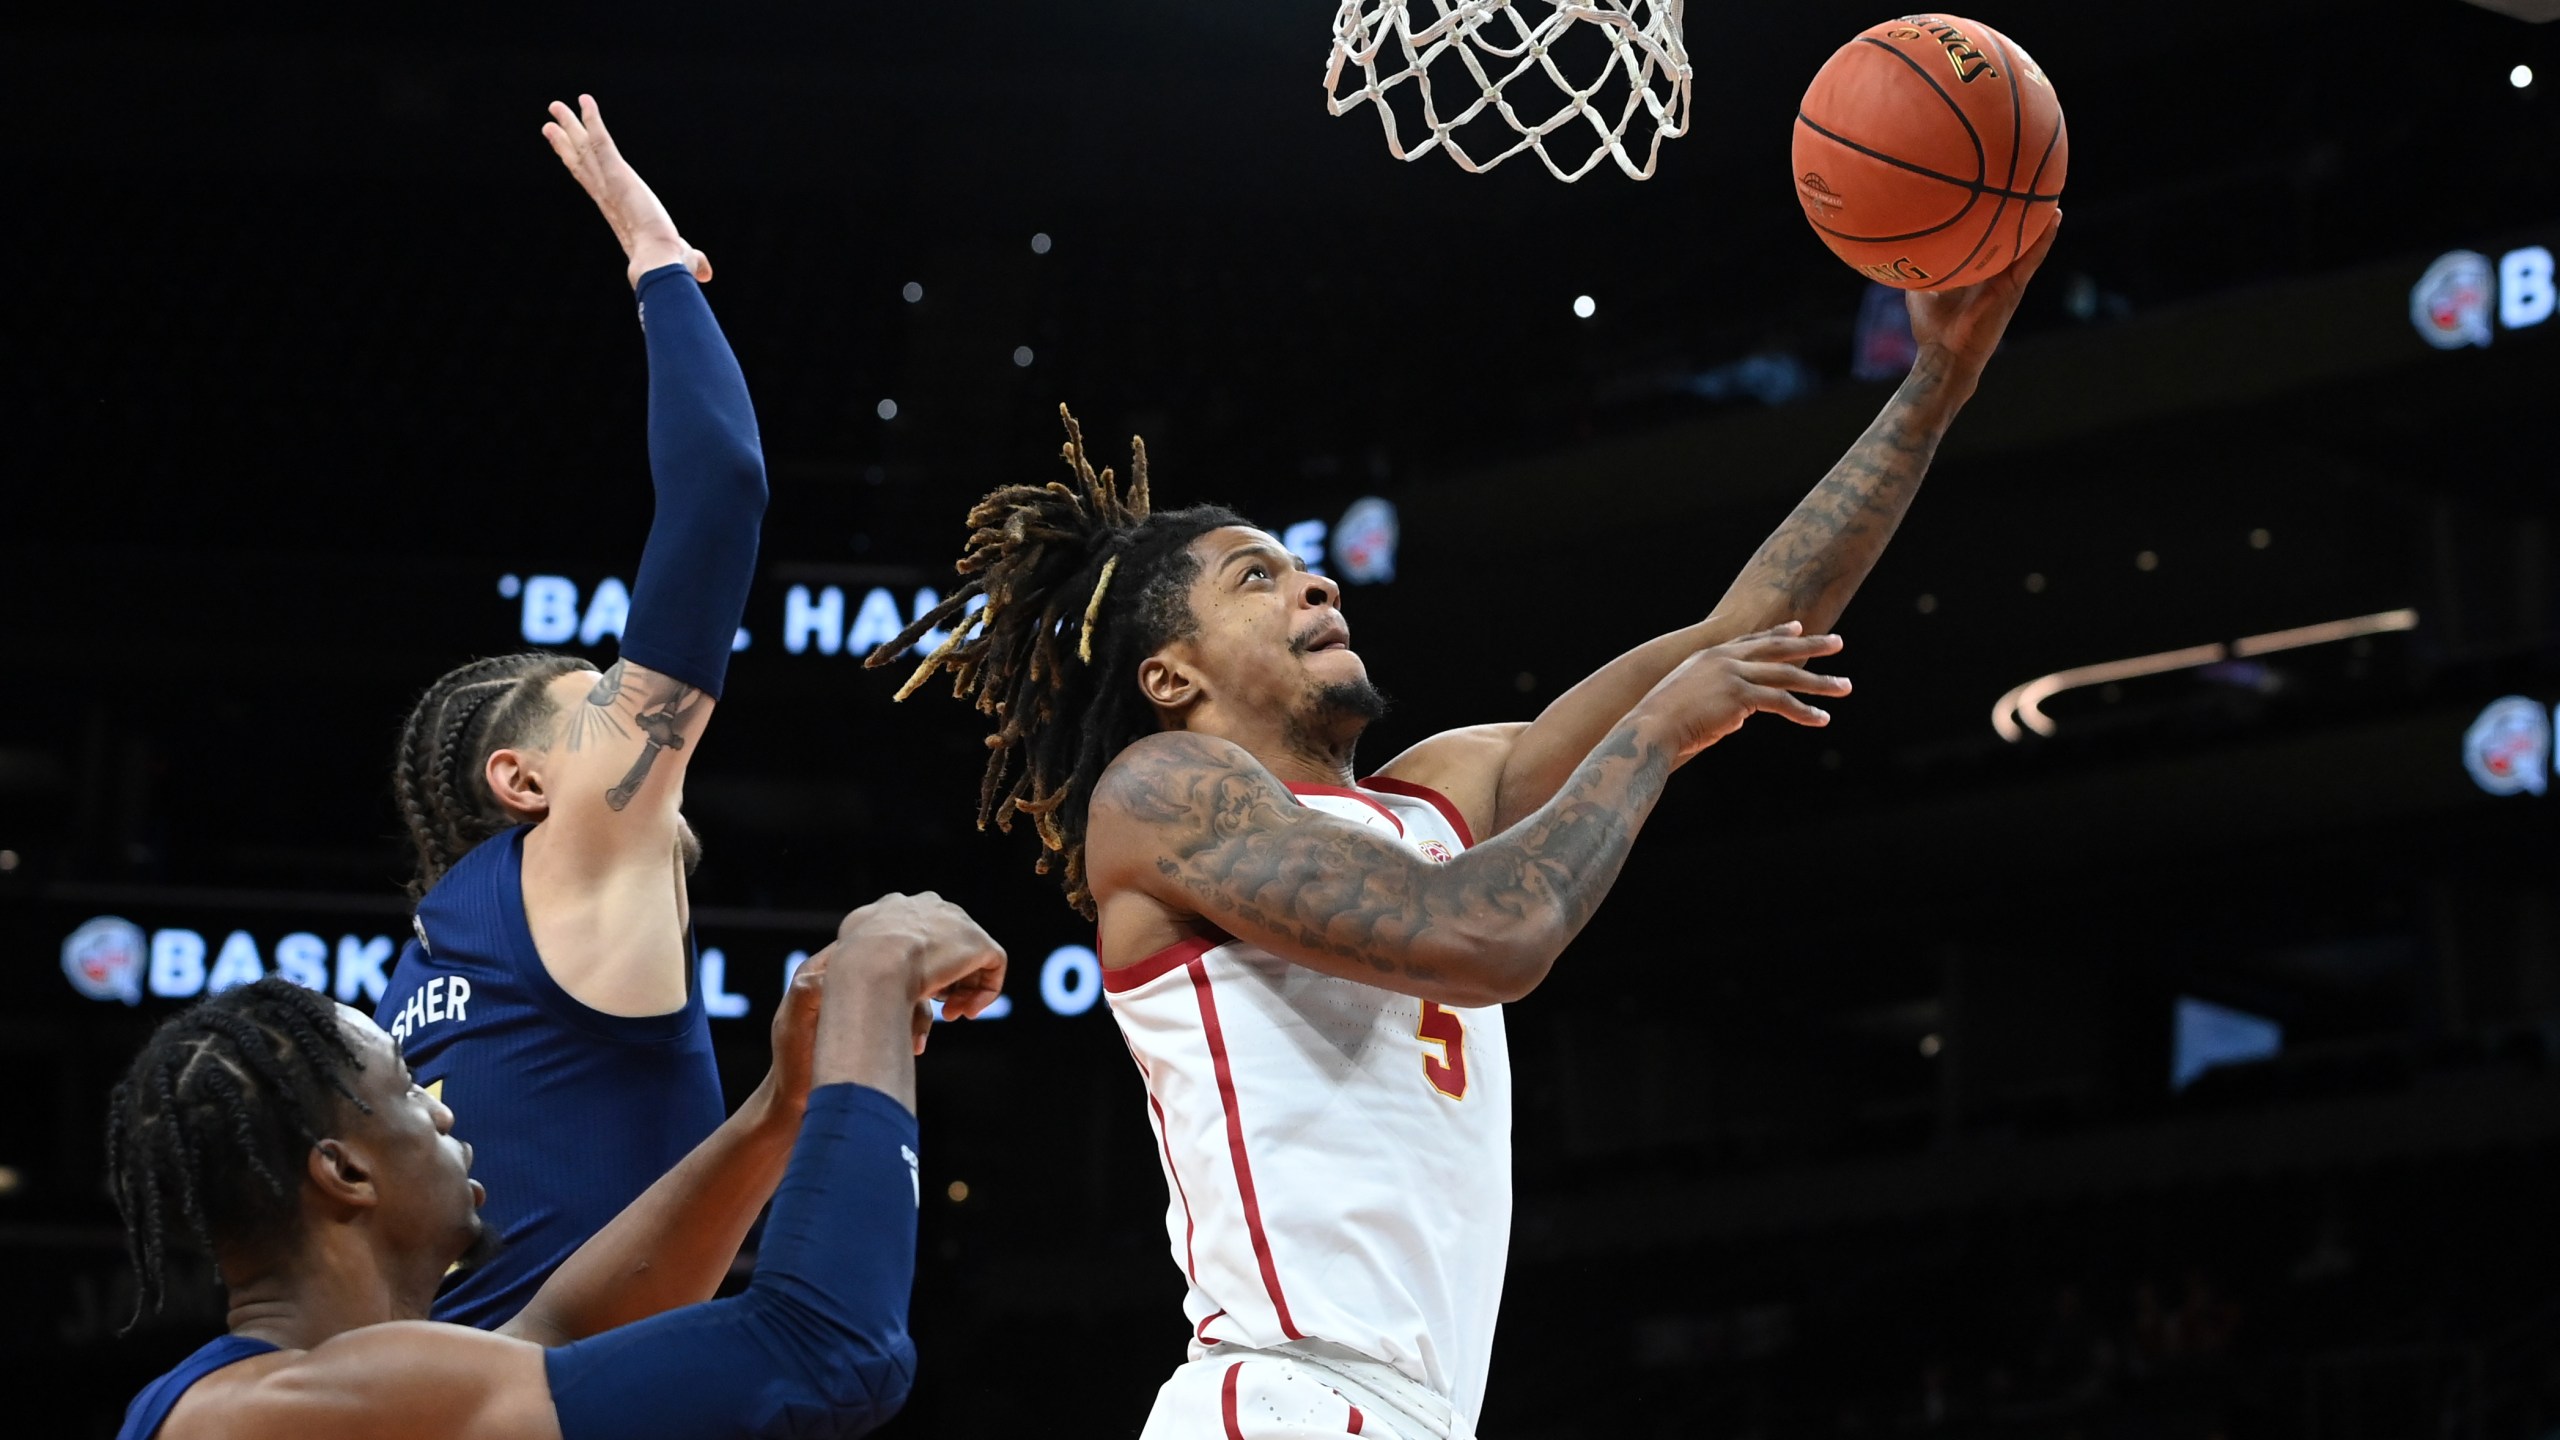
639	219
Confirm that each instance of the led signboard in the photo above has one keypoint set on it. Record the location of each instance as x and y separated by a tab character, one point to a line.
1360	549
114	960
2453	304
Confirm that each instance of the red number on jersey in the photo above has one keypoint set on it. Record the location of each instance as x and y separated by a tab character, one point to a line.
1447	1071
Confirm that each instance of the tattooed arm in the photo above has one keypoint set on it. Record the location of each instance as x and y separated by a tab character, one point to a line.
1806	571
1199	829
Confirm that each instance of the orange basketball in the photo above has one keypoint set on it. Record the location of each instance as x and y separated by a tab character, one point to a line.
1930	152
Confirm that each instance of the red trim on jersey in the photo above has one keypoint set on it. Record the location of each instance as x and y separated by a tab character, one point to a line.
1438	801
1164	1133
1171	958
1355	1420
1217	1038
1227	1402
1348	793
1201	1331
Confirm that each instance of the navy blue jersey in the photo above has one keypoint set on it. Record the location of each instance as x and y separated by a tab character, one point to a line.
570	1112
142	1418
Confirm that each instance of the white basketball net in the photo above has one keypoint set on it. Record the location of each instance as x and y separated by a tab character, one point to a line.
1380	44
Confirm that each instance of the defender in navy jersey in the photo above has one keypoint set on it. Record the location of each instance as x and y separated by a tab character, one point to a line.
282	1134
549	995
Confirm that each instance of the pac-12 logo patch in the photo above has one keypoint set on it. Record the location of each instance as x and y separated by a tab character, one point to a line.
104	959
1436	852
2508	749
2450	303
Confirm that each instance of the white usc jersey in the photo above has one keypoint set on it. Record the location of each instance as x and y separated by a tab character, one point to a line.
1338	1156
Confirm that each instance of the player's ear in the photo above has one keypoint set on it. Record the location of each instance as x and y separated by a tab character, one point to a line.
516	784
341	1172
1168	684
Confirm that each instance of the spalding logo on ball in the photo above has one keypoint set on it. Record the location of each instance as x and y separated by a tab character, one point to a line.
1930	152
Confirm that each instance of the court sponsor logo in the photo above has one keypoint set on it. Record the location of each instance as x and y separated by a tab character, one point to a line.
2453	304
2508	749
104	959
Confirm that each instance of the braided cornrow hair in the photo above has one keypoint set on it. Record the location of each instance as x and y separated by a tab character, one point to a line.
468	714
1079	582
207	1131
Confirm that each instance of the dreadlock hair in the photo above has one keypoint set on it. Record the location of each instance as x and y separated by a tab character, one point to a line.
466	716
1081	582
208	1130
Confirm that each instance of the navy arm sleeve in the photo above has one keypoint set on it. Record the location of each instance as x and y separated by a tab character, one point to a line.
817	1345
708	467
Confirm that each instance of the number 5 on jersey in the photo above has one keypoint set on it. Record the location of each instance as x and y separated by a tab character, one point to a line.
1447	1071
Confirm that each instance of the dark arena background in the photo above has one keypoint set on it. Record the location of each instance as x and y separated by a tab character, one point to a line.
2190	1070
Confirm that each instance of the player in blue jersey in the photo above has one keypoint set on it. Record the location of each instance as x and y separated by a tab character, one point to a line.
283	1134
549	995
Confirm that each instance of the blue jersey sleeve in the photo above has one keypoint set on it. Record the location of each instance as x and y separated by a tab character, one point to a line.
708	467
817	1345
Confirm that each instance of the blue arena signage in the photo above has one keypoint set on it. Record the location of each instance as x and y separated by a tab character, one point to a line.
112	959
2465	298
1359	549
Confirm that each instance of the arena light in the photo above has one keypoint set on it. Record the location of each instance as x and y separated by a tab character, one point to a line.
2521	77
1584	307
913	292
2022	709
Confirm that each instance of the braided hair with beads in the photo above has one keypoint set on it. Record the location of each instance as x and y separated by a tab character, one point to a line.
470	713
208	1130
1071	586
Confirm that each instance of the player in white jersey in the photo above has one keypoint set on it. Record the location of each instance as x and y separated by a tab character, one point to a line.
1309	971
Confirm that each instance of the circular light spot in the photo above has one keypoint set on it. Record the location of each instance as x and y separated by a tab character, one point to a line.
2521	77
1040	243
913	291
1524	682
888	409
2146	561
1022	356
8	861
1930	1045
958	1190
2035	584
1928	604
1584	307
2259	539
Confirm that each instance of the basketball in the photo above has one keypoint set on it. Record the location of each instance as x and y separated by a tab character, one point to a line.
1930	152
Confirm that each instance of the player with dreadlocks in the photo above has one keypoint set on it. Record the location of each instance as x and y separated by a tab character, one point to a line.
1310	971
549	994
282	1135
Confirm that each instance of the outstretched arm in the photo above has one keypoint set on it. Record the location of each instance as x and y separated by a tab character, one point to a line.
1806	570
636	730
1200	826
674	1244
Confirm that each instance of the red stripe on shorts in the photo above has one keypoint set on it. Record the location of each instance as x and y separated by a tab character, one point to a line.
1227	1402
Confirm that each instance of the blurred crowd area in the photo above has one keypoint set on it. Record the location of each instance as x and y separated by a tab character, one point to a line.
2412	1297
